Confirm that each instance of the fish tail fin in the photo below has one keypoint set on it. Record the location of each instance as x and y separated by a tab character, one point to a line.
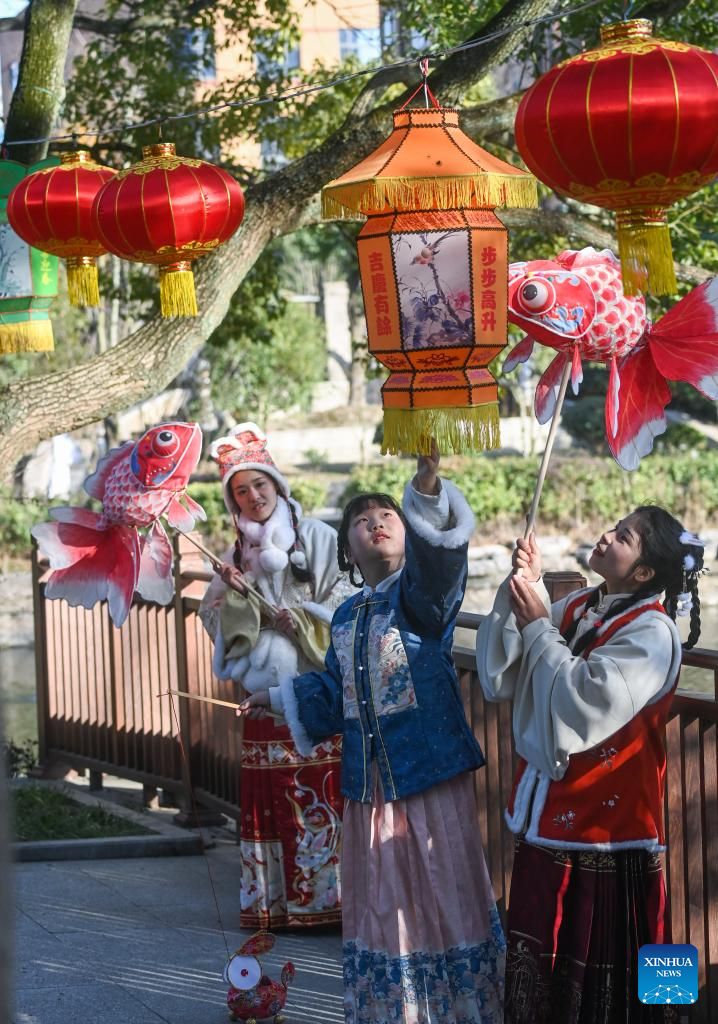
635	407
90	561
684	342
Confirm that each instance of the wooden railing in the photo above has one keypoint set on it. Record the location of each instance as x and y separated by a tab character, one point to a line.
99	709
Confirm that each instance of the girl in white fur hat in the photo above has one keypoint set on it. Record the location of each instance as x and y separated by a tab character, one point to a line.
291	805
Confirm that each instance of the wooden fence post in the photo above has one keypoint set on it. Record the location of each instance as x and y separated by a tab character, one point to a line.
189	816
560	584
38	612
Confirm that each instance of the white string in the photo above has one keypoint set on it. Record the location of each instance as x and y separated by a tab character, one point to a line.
97	133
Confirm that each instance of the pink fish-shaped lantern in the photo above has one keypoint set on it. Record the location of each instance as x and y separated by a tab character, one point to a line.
576	305
103	556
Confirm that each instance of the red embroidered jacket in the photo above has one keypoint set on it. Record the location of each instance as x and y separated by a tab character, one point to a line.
611	796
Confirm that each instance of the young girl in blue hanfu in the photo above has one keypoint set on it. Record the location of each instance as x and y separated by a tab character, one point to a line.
422	939
591	679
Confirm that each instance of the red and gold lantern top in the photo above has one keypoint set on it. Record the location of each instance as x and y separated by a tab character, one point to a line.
169	210
629	126
52	211
427	163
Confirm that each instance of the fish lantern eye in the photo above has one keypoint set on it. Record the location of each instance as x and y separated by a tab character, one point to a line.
536	295
165	443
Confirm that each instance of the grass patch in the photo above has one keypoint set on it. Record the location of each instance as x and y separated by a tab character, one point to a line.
42	813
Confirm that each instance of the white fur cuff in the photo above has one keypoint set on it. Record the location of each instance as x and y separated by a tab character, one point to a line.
318	611
291	712
460	514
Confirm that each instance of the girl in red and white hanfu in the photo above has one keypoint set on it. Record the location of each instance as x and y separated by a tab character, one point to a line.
591	678
291	805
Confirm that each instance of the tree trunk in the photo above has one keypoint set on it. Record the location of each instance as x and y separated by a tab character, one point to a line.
40	92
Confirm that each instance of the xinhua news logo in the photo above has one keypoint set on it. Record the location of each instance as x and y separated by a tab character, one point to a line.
668	974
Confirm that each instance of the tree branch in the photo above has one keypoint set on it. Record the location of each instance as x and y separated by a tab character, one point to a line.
37	100
579	229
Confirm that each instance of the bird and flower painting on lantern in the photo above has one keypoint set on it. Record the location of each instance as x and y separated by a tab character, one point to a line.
434	288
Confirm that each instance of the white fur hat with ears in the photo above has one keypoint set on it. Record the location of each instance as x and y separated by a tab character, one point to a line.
245	447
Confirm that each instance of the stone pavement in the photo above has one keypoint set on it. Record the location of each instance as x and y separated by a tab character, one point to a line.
137	942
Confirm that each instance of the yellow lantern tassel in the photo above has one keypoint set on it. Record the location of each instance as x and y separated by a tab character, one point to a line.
26	336
82	285
177	295
644	247
471	428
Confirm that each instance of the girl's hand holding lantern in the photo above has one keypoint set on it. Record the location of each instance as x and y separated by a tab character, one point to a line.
427	470
232	577
526	559
255	706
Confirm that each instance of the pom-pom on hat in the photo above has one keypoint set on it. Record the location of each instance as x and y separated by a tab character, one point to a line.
245	447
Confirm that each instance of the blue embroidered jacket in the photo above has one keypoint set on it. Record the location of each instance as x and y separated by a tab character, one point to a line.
389	684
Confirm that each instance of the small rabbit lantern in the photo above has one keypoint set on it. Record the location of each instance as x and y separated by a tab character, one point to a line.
253	996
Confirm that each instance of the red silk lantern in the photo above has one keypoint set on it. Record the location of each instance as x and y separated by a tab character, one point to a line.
51	210
631	127
433	265
169	210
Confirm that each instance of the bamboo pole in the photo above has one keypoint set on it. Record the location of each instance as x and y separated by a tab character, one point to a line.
213	700
543	469
216	562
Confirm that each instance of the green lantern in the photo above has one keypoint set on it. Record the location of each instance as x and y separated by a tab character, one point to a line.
28	277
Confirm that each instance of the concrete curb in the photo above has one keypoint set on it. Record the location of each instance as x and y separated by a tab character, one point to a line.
167	840
113	846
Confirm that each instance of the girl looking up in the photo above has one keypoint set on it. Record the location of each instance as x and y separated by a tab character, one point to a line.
591	679
422	938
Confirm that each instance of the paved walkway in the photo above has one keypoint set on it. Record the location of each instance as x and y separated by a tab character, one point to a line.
137	942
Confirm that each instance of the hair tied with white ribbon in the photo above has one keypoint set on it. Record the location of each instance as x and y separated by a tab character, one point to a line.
691	538
684	604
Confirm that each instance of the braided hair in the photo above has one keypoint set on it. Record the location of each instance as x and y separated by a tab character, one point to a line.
358	504
301	574
666	548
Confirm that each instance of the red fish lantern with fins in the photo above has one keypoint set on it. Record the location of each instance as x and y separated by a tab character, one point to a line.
576	304
102	556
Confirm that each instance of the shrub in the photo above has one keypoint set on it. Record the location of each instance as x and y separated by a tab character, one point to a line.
578	491
16	520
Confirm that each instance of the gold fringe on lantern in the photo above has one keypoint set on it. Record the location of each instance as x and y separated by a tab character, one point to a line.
474	190
644	247
471	428
82	284
177	295
26	336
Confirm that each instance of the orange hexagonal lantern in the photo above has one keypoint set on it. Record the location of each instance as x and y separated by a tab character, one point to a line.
629	126
433	263
169	210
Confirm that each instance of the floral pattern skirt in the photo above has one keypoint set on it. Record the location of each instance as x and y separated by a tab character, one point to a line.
290	830
423	943
576	921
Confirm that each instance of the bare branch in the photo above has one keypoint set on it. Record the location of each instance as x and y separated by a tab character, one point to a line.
580	230
376	87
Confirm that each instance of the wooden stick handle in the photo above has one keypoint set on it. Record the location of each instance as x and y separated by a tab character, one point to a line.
214	700
543	469
217	562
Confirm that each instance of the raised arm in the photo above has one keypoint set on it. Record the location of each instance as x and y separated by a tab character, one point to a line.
439	525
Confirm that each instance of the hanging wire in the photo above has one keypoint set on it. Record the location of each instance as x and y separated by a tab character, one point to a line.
308	90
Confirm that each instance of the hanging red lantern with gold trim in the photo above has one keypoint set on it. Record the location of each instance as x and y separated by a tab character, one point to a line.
631	127
52	211
433	263
168	210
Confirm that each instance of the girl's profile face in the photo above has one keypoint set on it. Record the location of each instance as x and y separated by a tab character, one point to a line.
616	554
254	493
375	535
